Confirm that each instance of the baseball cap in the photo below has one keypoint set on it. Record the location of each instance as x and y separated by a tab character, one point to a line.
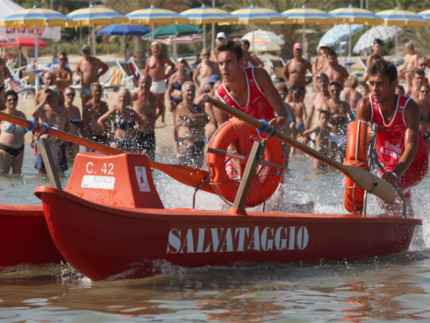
86	48
298	46
214	78
324	45
155	43
180	59
54	89
221	35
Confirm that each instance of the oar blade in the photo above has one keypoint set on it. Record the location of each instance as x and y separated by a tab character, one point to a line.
371	183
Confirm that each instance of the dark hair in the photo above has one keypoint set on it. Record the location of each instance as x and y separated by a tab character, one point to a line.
376	57
282	87
322	75
335	83
332	53
11	92
383	68
326	113
378	41
246	42
63	54
230	45
419	71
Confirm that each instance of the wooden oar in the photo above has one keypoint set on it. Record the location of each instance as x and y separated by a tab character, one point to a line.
366	180
185	174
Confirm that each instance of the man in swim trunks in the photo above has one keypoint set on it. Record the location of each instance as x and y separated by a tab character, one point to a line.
155	66
318	99
145	104
294	73
411	63
91	112
400	147
418	81
250	90
75	121
49	111
63	74
89	69
204	70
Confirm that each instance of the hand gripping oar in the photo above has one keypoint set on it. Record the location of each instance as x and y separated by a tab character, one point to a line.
185	174
366	180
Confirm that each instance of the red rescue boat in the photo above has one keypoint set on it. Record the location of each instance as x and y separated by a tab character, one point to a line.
24	236
109	223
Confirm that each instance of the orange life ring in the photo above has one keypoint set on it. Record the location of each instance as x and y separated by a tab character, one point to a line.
356	155
238	134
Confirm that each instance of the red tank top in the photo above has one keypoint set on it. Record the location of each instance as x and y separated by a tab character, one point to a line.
257	105
390	138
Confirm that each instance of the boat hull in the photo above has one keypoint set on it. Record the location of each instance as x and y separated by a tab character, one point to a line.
104	242
24	236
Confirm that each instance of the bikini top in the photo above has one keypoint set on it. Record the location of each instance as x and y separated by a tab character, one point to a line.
121	124
177	86
76	122
12	128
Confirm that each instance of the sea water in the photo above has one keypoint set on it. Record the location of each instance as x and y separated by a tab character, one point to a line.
377	289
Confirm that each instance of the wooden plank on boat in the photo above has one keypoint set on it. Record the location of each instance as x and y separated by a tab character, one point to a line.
51	169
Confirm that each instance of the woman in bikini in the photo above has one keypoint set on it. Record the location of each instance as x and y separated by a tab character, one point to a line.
125	123
11	137
174	91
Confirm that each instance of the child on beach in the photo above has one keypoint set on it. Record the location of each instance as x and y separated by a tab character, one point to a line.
299	116
322	131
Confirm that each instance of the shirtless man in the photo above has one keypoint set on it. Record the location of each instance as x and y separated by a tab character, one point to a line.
154	66
299	117
417	82
190	122
350	94
54	115
205	69
63	74
145	105
249	59
334	71
91	112
319	98
75	121
3	75
399	143
48	80
220	37
340	115
377	48
89	69
424	104
294	73
411	63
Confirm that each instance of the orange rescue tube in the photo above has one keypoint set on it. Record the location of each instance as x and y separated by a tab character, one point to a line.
225	176
356	155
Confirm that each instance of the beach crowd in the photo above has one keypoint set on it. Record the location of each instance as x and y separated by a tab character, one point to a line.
129	124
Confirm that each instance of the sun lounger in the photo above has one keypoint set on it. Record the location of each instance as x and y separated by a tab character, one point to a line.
18	85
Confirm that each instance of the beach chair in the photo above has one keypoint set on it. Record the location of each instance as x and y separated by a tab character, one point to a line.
276	67
130	74
111	80
18	85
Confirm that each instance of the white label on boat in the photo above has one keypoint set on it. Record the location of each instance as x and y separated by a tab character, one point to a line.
101	182
142	179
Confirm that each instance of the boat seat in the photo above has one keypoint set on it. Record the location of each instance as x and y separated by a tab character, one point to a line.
123	180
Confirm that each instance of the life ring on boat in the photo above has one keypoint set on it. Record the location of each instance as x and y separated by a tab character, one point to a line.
356	155
225	173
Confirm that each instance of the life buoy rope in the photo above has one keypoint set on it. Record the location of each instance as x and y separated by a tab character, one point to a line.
226	173
356	155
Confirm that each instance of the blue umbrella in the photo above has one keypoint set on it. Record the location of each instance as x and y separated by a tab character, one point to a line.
339	33
124	30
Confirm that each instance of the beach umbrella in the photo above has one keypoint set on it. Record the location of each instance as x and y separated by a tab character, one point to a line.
25	42
181	40
33	18
263	45
305	15
383	33
339	33
154	15
401	18
96	15
264	35
205	15
352	15
257	15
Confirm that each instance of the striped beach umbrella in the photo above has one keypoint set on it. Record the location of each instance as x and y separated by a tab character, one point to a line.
205	15
96	15
264	35
401	18
383	33
33	18
256	15
305	15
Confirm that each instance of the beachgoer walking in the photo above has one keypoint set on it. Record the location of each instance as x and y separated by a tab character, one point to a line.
334	71
204	70
410	64
63	74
